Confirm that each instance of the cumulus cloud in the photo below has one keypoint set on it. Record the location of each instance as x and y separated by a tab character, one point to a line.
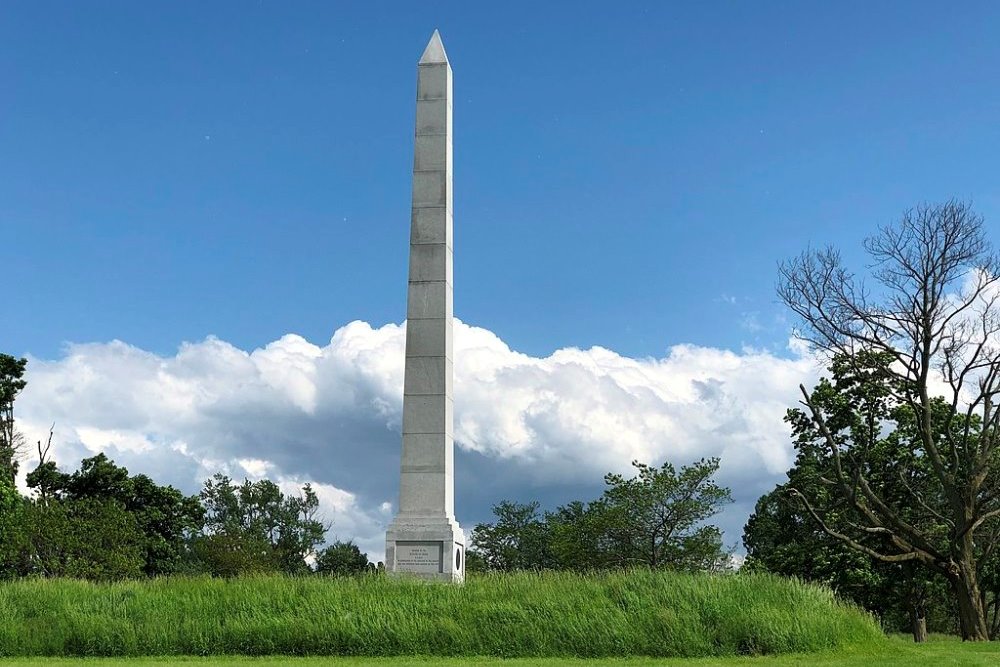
525	427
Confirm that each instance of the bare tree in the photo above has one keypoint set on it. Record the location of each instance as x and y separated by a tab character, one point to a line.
43	459
933	312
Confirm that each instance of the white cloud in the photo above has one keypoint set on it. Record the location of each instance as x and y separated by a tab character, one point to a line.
526	427
255	468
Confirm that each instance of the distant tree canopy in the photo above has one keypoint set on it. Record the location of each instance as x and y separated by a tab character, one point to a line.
87	539
655	519
100	522
164	517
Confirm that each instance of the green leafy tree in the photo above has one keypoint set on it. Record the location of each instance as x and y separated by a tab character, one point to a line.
577	535
257	523
474	563
990	579
13	539
342	559
234	553
858	403
166	518
517	540
84	539
657	518
881	458
781	539
11	441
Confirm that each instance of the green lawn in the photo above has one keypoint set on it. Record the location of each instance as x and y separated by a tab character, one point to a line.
895	653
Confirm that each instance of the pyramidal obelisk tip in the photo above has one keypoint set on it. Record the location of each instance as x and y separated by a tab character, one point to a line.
434	53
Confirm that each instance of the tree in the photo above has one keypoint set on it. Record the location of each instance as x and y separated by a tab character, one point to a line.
12	443
517	540
935	317
254	527
13	544
781	538
85	539
656	518
990	580
341	559
474	563
234	553
577	536
165	517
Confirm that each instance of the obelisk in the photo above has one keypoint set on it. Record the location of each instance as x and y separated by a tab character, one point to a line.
424	539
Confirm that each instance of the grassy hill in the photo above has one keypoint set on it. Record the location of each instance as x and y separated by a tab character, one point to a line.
525	615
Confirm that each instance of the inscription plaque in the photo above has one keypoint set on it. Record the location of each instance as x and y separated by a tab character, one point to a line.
420	556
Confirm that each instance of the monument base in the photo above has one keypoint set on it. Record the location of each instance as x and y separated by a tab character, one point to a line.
425	547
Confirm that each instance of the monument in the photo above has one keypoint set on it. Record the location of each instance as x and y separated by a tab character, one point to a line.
424	539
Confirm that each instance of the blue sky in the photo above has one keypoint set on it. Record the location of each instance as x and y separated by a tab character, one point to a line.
625	178
242	169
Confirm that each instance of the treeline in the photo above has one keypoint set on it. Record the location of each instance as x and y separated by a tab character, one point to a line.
101	523
656	519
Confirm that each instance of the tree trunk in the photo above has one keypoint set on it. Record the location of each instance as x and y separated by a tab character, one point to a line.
918	623
994	608
971	614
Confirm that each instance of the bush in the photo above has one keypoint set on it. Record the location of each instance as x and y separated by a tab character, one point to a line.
341	559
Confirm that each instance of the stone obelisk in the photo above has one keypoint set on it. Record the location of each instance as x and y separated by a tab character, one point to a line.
424	539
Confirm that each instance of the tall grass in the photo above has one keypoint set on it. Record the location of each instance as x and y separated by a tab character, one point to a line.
552	614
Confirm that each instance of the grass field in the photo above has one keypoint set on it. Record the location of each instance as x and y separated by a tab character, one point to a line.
524	615
891	653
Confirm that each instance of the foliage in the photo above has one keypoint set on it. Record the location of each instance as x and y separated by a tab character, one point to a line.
517	540
655	519
637	613
577	536
921	353
165	517
254	527
475	563
342	559
11	442
13	543
86	539
781	539
234	553
61	534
